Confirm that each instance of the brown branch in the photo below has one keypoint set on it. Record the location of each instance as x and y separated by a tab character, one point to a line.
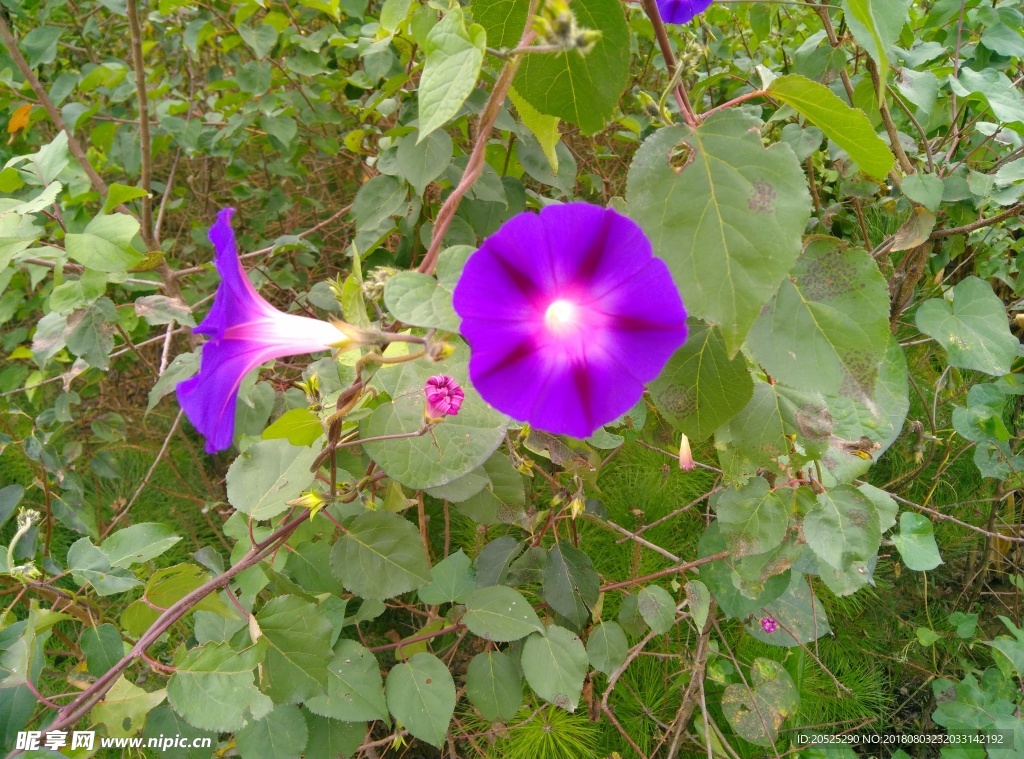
78	708
1016	210
665	572
145	141
477	157
74	146
890	125
682	99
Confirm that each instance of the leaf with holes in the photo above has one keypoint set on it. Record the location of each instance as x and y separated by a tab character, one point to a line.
726	214
555	664
421	695
500	613
758	711
355	689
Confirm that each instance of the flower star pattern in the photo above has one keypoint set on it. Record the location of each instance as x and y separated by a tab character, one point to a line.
244	331
567	314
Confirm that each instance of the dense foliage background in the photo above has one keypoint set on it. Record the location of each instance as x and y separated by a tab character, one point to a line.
836	188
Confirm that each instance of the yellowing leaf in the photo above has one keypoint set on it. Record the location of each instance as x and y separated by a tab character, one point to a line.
19	119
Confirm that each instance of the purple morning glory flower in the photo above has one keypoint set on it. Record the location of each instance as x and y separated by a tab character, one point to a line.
769	624
681	11
444	397
567	314
245	331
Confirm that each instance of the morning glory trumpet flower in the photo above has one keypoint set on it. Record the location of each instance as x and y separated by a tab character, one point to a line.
568	314
244	331
681	11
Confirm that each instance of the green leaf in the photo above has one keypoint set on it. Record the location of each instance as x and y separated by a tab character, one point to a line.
916	542
758	711
138	544
544	128
725	583
421	695
91	333
299	426
280	734
699	599
876	25
355	689
726	214
267	475
993	87
827	330
423	161
160	309
927	637
88	564
106	243
973	329
102	646
494	686
332	738
393	13
701	388
502	499
163	721
454	57
333	9
380	556
500	613
119	194
800	615
607	647
378	199
583	90
761	432
298	649
657	607
166	587
843	528
451	580
40	45
571	585
123	710
282	130
847	127
452	449
418	300
555	665
213	687
753	519
925	189
16	234
182	366
260	38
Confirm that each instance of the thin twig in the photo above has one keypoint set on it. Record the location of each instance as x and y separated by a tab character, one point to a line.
145	142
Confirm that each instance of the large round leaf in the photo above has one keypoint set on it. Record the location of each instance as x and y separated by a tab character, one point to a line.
421	695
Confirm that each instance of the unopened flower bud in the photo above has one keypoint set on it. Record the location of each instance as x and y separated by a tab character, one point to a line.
686	462
444	398
769	624
311	500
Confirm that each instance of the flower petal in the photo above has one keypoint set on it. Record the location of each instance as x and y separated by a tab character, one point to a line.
681	11
236	301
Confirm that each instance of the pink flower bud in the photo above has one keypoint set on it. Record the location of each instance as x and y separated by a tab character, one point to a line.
444	397
686	455
769	624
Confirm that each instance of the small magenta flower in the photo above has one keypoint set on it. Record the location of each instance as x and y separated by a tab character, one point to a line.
567	314
769	624
245	331
681	11
444	397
